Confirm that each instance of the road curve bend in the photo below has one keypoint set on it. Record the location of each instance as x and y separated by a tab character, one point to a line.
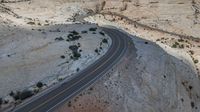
48	101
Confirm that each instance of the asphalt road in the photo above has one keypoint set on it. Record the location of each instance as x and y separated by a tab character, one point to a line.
48	101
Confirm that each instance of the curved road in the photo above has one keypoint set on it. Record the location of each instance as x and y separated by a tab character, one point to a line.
48	101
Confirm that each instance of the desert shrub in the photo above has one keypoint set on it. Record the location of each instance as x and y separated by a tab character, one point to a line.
196	61
39	84
5	101
71	57
72	37
84	32
74	32
11	93
181	46
1	101
25	94
22	95
78	69
157	39
69	104
59	39
192	104
180	40
79	45
100	48
62	57
91	89
175	45
60	79
96	50
76	55
46	24
31	23
16	96
74	48
191	52
93	29
105	40
190	87
102	33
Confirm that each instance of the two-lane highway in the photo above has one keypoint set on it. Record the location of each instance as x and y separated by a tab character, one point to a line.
48	101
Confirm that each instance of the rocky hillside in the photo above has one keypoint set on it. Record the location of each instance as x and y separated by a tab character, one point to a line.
161	71
158	77
147	80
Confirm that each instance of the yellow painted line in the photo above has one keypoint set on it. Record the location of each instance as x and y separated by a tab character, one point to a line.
72	84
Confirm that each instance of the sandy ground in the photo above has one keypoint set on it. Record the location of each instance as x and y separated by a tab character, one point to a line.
163	25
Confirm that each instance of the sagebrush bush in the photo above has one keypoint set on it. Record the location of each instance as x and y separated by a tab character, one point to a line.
39	84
